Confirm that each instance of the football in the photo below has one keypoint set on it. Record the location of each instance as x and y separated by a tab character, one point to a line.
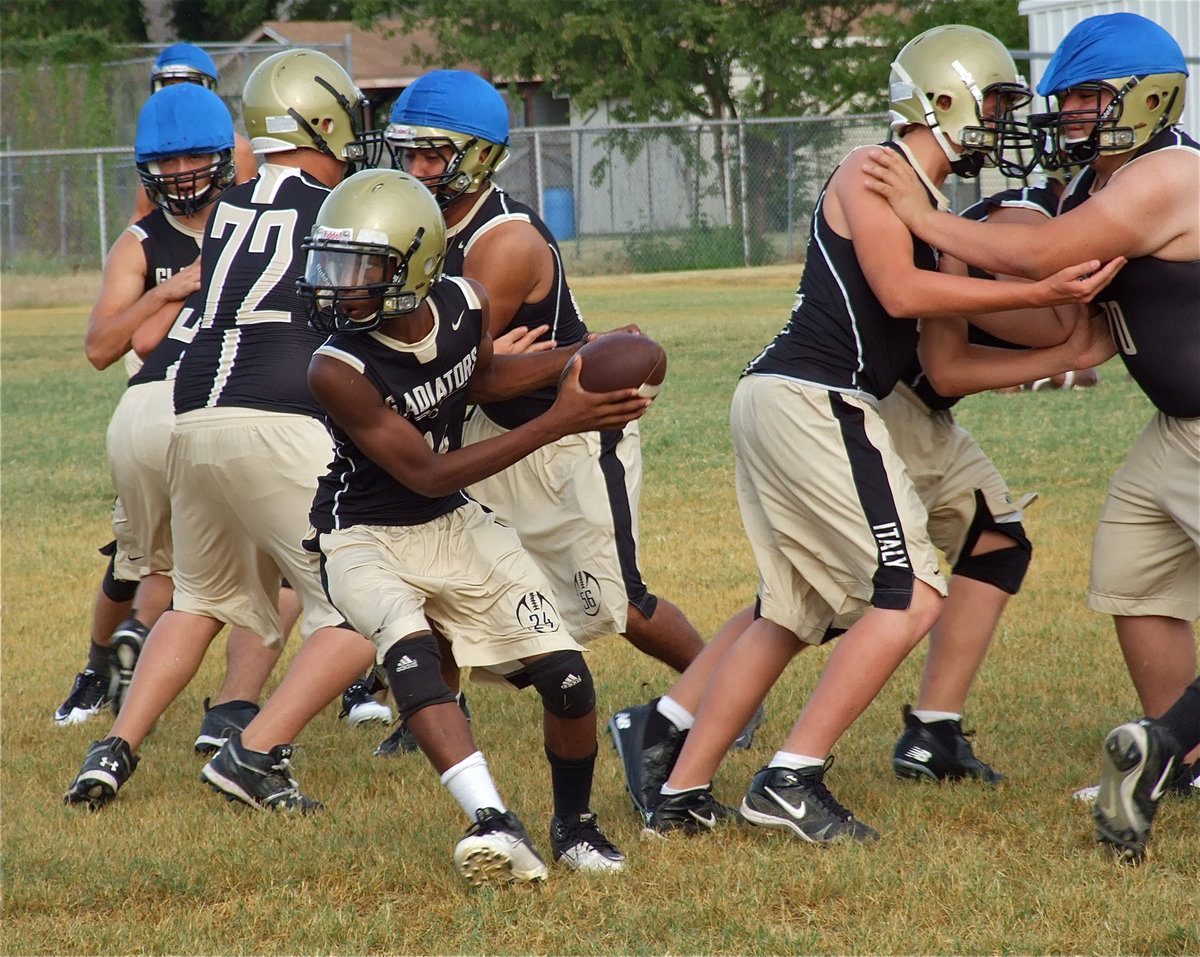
622	360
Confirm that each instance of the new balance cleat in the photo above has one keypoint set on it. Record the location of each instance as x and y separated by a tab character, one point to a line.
1138	763
401	741
582	846
88	695
222	719
647	765
107	766
360	707
938	751
126	647
261	779
692	812
798	801
497	848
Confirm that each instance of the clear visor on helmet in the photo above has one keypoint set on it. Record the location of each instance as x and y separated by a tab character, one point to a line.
350	285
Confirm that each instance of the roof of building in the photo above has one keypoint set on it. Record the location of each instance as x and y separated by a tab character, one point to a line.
380	58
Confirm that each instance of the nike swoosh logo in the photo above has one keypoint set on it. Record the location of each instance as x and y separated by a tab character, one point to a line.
458	322
709	822
1157	792
795	812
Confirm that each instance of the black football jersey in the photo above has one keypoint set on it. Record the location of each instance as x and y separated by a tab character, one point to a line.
168	247
426	382
839	335
558	309
253	343
1153	307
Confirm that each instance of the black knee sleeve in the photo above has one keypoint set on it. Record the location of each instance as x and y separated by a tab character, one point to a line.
414	673
115	589
564	681
1005	567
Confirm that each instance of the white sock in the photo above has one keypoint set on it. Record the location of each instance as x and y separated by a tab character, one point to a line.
786	759
667	790
676	713
929	717
470	782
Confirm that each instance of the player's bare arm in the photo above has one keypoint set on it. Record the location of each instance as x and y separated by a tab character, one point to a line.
955	366
514	265
883	246
154	329
124	302
1036	328
1146	209
393	443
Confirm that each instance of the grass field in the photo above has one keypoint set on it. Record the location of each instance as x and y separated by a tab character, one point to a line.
171	868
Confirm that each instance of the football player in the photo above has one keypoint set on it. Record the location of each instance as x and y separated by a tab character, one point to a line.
183	150
838	531
187	63
450	129
1118	81
248	442
404	548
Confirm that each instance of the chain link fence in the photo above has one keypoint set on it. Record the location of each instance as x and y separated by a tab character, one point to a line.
637	198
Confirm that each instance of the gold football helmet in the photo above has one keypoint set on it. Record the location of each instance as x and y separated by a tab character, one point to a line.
375	251
940	79
303	99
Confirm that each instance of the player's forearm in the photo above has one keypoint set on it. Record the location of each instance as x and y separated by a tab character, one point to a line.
1010	249
110	336
449	472
980	368
510	375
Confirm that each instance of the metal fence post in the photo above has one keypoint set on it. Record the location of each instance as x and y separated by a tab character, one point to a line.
62	214
791	181
577	189
100	202
538	173
742	189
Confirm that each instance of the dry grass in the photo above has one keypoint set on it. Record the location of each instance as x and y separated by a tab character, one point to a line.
170	868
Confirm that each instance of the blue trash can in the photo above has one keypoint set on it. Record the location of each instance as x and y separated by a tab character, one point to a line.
559	205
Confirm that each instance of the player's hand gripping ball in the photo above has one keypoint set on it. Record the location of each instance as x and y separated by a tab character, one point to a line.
622	360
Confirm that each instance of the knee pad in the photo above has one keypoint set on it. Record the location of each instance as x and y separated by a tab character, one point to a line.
1005	567
116	589
564	681
414	673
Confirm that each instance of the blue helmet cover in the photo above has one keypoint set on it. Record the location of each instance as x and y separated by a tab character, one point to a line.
1111	46
186	54
182	120
454	100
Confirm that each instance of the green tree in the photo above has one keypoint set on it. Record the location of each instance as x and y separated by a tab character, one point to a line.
227	20
122	21
667	59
